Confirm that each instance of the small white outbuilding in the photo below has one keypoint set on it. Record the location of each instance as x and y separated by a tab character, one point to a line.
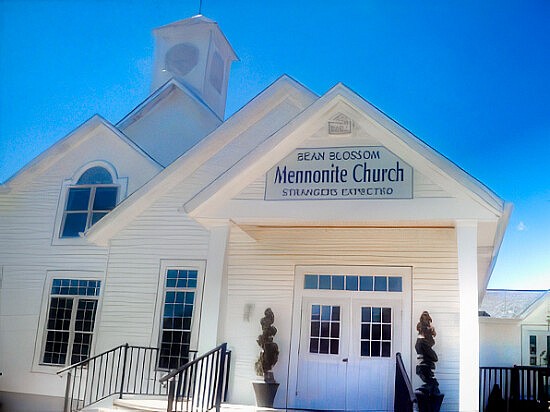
514	328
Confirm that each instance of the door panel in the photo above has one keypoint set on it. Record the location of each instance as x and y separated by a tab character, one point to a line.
321	372
375	338
345	359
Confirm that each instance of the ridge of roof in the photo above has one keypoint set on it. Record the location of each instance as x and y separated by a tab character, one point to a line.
188	21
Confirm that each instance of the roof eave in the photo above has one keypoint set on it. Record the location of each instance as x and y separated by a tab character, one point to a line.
49	156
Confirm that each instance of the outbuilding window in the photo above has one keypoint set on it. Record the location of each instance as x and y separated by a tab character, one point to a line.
70	322
91	198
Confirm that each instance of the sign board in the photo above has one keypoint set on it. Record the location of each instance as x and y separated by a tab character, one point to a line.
360	172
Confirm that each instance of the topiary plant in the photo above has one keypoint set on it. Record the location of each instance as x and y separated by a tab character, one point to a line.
269	353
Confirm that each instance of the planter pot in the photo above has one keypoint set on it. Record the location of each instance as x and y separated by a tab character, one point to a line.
265	393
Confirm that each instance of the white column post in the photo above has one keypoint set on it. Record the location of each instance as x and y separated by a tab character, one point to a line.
213	284
466	239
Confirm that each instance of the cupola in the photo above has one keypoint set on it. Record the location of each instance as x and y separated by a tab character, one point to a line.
195	52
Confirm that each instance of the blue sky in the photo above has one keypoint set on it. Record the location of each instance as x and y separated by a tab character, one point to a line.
470	78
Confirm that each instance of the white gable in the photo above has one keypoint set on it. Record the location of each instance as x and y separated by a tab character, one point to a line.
308	145
169	123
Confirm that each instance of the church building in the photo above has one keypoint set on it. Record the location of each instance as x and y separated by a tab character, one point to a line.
176	228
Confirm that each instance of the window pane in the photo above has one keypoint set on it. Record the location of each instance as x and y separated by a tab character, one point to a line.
316	312
310	282
365	314
386	332
334	343
174	351
375	349
96	217
85	315
78	199
335	330
105	198
59	317
352	282
386	349
395	284
94	176
366	283
325	327
325	312
376	315
56	348
337	282
365	331
324	282
315	329
386	315
380	283
314	345
335	313
365	348
81	347
324	346
74	224
376	332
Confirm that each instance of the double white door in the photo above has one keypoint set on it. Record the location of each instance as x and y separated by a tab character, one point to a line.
346	356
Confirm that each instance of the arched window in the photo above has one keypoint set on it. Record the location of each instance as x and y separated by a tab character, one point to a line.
92	197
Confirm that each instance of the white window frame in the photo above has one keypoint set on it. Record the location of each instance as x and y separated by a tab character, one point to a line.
42	330
165	265
120	182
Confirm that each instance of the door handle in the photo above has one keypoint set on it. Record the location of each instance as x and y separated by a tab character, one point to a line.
345	360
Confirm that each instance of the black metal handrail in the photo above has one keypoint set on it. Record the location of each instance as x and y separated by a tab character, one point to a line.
119	371
517	388
201	384
404	396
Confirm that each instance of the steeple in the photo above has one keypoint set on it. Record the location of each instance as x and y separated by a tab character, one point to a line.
195	52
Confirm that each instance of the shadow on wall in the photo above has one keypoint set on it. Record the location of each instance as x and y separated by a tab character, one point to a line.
23	402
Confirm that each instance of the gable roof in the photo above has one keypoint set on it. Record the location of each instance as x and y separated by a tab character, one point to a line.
73	139
511	304
190	161
156	97
279	145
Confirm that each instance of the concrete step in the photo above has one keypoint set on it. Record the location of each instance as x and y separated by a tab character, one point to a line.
152	404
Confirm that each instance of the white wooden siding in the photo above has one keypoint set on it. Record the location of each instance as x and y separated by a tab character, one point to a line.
27	219
261	273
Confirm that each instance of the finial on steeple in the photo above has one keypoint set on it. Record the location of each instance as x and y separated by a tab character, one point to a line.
200	7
